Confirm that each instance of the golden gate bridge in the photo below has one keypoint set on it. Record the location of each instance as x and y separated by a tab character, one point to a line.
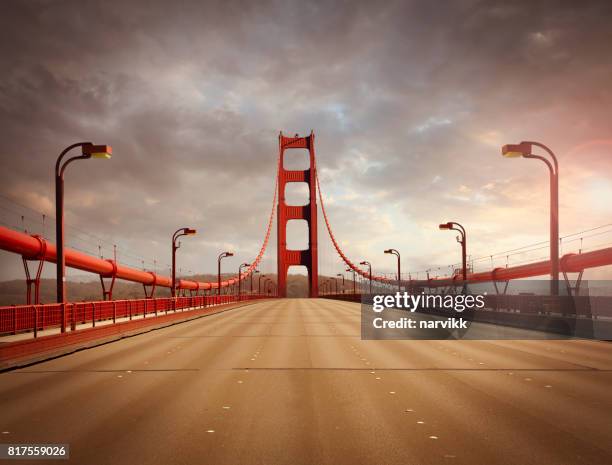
192	294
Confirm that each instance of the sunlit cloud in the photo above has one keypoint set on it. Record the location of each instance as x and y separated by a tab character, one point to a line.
410	105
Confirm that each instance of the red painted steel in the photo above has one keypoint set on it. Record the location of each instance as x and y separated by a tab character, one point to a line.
35	281
569	263
307	257
21	318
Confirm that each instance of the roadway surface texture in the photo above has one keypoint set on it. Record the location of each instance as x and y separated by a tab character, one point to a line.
290	382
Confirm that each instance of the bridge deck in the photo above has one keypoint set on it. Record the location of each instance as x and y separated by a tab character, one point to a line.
290	381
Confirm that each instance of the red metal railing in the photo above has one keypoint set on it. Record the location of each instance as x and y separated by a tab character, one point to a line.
23	318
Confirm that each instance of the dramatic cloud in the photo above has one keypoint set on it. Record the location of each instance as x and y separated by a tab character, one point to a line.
410	102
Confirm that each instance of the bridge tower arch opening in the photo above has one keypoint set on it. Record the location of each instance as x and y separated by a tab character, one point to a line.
305	257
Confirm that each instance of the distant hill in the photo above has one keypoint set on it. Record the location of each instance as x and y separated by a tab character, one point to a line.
14	292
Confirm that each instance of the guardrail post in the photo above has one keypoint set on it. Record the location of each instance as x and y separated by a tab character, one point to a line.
114	312
35	321
72	315
63	317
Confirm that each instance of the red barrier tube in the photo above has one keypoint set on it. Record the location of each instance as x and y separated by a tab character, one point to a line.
31	247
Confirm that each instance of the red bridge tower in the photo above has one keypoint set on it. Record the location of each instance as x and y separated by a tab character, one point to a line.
308	212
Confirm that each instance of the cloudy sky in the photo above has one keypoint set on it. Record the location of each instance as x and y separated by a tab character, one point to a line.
410	102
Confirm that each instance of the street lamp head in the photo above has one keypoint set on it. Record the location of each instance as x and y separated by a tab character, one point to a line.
388	251
516	150
448	225
189	231
339	274
229	254
98	151
363	263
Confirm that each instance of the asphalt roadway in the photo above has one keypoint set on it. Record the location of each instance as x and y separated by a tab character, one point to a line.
291	382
